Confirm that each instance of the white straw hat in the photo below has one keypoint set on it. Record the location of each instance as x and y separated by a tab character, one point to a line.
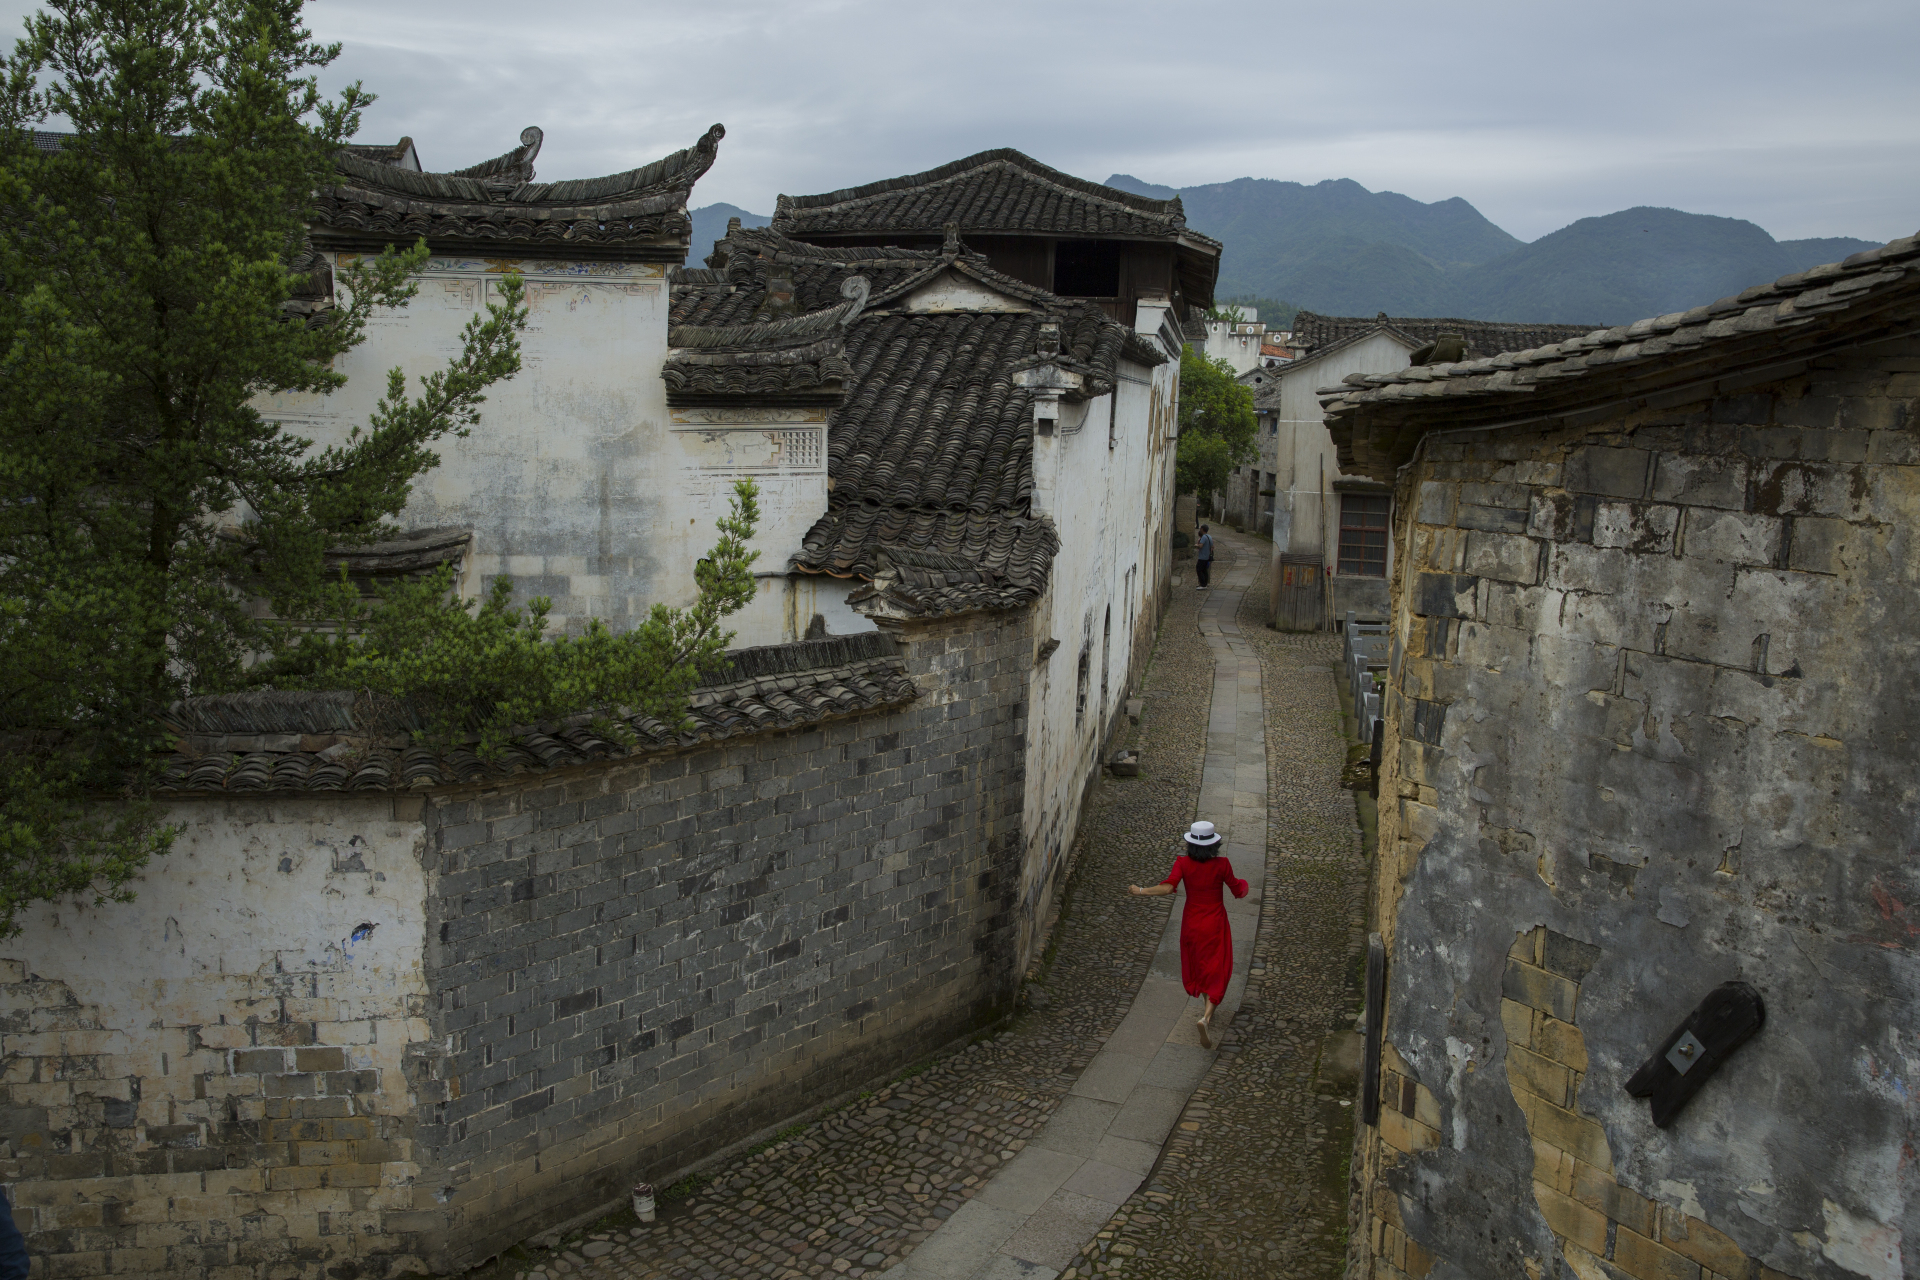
1202	833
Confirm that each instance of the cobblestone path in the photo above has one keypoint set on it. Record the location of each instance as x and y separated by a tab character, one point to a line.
1254	1181
1105	1137
855	1192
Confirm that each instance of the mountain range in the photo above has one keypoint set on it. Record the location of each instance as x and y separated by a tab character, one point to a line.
710	224
1338	248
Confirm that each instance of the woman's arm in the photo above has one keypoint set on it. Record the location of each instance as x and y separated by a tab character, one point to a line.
1154	891
1238	886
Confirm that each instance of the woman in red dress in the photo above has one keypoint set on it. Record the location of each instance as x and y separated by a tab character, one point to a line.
1206	941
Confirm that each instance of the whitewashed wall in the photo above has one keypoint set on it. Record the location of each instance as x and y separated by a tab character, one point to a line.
1245	505
1306	513
1110	505
578	482
1237	344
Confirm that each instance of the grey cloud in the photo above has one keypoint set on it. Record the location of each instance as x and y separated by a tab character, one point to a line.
1801	118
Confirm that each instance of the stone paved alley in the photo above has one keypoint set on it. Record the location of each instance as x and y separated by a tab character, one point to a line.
1025	1154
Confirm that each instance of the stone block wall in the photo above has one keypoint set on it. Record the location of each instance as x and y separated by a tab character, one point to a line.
214	1080
634	966
349	1036
1649	732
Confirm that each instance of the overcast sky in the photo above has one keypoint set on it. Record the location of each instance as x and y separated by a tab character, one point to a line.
1804	118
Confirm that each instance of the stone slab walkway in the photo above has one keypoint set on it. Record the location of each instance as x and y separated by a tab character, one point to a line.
1032	1217
1253	1182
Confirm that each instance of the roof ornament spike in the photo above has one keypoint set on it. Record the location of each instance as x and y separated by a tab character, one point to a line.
855	289
506	173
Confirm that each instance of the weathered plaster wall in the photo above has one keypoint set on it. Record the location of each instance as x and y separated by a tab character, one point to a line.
215	1080
1306	519
798	598
1250	494
1651	730
1100	605
578	482
634	966
1237	344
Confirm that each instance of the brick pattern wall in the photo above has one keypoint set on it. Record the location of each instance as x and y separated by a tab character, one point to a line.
211	1080
1650	580
188	1149
640	964
1591	1215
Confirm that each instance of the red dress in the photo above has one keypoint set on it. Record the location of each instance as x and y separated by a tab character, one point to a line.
1206	943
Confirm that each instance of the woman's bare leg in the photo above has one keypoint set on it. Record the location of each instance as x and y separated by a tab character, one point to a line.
1206	1017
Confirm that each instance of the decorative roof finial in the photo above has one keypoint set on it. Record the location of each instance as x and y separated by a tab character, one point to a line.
1446	348
951	244
855	290
504	173
1048	343
779	302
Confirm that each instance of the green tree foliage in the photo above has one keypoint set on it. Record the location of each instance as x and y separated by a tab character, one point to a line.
1275	313
463	670
146	507
143	499
1217	425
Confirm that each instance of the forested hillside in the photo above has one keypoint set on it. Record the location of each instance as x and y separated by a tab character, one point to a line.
1340	249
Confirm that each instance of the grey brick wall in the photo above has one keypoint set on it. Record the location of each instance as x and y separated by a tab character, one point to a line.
636	965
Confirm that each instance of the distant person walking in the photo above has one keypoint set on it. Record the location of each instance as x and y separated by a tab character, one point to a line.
1203	559
14	1264
1206	940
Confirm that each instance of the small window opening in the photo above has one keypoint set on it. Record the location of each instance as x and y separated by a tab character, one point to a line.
1363	534
1086	269
1086	670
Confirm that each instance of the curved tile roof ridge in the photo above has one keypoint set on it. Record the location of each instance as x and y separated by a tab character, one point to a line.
766	335
760	689
1145	204
1787	302
478	185
782	247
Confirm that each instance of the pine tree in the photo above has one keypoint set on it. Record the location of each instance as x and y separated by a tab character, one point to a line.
155	283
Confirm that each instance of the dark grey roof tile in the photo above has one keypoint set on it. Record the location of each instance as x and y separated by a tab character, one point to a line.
1484	337
775	687
497	202
994	191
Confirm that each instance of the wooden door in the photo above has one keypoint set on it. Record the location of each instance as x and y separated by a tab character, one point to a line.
1297	600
